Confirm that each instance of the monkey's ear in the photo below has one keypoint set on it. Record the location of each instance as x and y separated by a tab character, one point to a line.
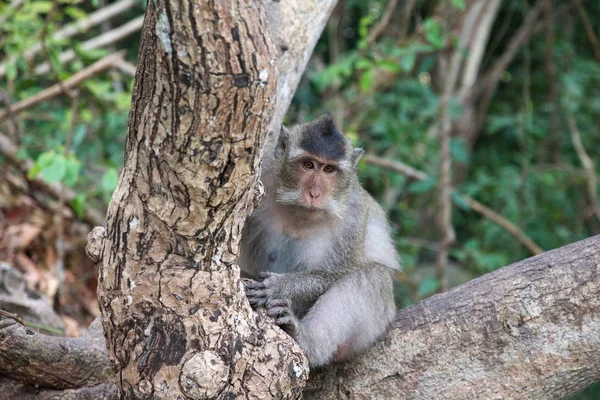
282	142
356	155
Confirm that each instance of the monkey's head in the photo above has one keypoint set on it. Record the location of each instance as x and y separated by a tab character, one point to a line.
317	167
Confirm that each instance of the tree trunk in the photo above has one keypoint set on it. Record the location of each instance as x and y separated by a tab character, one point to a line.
527	331
175	316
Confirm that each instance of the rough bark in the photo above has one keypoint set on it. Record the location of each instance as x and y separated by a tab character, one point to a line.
530	330
40	360
174	312
10	389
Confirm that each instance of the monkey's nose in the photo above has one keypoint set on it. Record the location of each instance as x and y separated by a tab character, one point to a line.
314	195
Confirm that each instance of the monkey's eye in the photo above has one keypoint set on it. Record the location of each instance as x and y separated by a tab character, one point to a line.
329	169
308	164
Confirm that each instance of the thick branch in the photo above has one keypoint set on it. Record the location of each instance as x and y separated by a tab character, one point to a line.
527	331
52	362
10	389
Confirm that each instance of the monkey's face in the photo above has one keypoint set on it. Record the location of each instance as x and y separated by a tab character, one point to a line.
317	180
314	184
316	166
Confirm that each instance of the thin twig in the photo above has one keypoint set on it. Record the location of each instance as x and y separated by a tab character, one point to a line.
70	30
588	165
100	41
74	80
589	30
383	23
7	314
476	206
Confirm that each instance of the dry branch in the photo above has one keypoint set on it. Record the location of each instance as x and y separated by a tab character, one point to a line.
588	165
528	331
53	362
58	88
93	19
105	39
478	207
383	23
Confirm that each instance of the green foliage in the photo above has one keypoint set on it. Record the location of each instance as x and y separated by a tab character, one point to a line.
81	143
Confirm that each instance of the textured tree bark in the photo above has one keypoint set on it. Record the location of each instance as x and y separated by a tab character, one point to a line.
527	331
174	312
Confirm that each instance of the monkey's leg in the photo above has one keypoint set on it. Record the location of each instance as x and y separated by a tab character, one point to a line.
348	318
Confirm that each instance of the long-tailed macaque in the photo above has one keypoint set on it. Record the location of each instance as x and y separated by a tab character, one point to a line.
320	245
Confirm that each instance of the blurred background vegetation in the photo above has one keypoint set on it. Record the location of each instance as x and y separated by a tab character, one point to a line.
517	81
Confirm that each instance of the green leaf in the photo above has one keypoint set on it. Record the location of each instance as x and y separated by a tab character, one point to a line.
422	186
459	150
75	13
407	62
109	180
78	204
458	199
389	65
72	171
42	162
40	7
460	4
428	286
366	80
434	33
364	63
11	70
56	170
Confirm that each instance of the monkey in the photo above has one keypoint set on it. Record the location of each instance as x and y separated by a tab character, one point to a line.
319	247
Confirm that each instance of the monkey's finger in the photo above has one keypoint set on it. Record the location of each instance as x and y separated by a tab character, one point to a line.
266	274
256	293
255	285
288	324
247	281
278	312
279	303
257	301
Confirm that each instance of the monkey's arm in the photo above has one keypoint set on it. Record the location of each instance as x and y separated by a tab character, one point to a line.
301	288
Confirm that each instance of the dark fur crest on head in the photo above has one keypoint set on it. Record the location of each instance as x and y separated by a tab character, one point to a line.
322	139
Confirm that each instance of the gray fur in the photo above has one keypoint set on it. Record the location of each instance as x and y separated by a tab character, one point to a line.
326	277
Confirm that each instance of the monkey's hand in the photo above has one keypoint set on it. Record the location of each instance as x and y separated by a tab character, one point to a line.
281	311
259	293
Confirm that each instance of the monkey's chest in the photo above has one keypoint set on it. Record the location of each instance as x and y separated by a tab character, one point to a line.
285	254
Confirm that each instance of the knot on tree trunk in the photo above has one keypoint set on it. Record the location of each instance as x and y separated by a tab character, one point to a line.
94	243
204	376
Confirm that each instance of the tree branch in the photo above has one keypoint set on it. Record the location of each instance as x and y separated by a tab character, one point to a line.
588	165
527	331
58	88
52	362
478	207
93	19
104	39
